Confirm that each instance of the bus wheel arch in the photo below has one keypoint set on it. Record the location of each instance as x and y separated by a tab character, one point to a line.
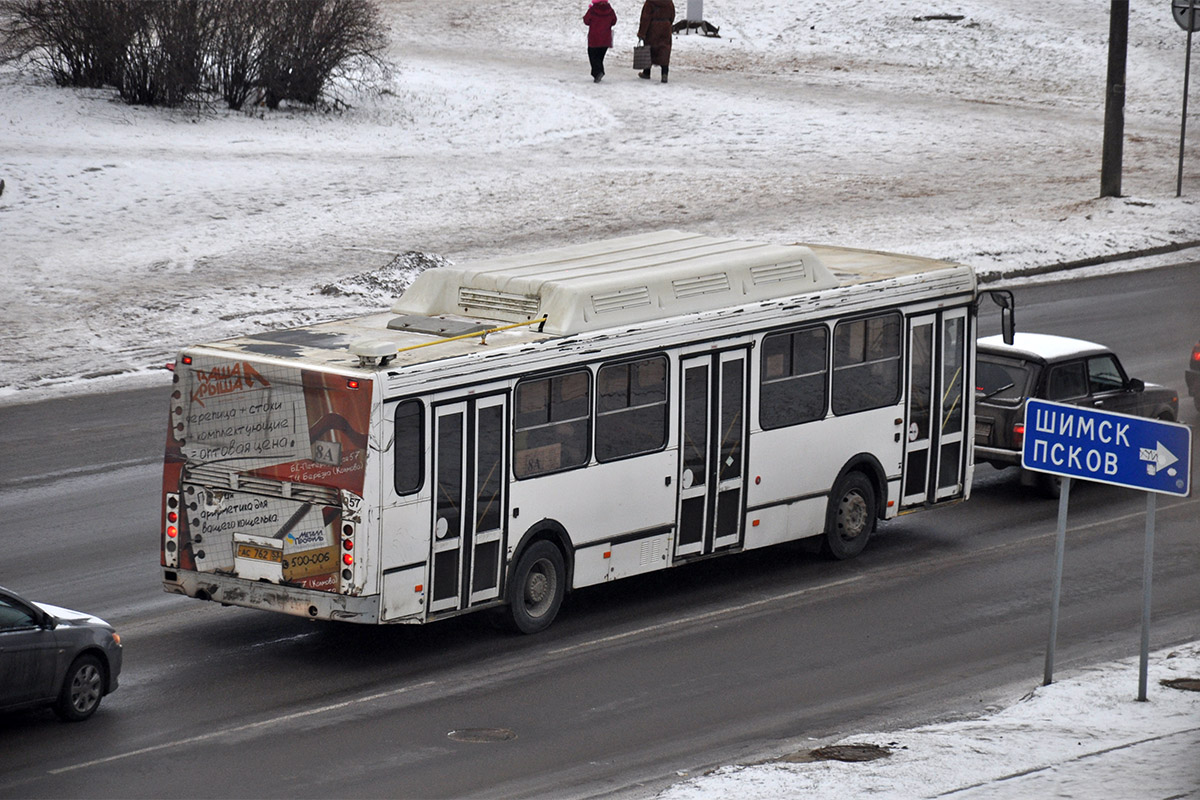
539	578
855	506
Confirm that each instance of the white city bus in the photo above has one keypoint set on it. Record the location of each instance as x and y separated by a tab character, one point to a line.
521	427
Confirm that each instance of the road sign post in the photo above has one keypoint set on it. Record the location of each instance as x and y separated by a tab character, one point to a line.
1074	442
1060	547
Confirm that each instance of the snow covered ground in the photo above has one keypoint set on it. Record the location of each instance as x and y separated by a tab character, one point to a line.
126	233
1085	737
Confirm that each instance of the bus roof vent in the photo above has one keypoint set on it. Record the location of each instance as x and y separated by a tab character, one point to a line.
604	302
775	273
476	301
701	284
623	281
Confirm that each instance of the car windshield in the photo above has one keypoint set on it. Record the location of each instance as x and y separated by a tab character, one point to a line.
1000	379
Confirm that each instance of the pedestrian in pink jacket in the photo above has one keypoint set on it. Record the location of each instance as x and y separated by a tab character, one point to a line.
600	19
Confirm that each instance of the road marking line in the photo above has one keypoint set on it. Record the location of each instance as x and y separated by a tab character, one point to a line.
722	612
887	572
241	728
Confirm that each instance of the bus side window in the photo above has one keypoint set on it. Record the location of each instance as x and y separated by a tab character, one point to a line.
866	363
551	423
794	369
631	408
408	448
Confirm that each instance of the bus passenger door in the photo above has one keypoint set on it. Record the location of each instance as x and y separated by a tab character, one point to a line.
489	481
934	463
952	355
469	471
919	431
712	452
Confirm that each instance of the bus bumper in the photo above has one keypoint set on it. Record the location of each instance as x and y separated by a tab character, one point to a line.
228	590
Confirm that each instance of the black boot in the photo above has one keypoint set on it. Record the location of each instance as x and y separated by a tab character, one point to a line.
664	75
645	73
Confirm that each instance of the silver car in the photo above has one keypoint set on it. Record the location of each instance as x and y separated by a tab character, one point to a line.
51	656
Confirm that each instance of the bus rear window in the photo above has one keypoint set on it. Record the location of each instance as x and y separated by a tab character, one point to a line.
409	447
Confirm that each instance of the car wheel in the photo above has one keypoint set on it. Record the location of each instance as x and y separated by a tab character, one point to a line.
850	519
82	689
1049	485
536	588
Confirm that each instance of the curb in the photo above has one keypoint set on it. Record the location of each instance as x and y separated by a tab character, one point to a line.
1088	262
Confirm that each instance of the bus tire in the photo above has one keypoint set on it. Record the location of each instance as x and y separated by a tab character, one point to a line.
536	588
82	689
850	519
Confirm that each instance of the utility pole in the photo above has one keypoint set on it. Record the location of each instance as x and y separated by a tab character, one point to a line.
1187	14
1114	101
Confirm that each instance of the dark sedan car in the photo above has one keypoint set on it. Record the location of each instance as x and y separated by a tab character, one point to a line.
1051	368
51	656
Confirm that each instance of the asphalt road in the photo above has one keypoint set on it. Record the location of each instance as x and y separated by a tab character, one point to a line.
945	613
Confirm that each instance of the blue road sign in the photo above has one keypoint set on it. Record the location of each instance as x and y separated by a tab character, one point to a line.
1101	446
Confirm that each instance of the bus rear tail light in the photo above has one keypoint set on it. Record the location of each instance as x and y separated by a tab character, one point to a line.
171	531
346	583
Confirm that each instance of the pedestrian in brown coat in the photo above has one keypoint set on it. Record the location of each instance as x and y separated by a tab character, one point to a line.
658	19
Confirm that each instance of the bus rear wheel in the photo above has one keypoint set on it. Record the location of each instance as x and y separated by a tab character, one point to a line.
850	519
536	589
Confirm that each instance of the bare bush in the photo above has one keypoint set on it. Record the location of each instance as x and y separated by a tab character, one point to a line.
168	52
165	58
313	42
235	53
79	42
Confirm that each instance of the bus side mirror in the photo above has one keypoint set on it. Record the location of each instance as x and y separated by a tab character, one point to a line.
1008	312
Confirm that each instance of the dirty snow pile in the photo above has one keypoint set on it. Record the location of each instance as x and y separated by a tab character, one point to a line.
389	280
1085	736
969	130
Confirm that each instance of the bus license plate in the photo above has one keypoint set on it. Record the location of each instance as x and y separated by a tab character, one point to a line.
259	553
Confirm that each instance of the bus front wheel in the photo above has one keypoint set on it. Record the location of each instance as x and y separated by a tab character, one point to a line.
536	589
850	519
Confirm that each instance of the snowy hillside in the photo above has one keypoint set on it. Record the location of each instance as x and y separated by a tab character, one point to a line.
973	135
